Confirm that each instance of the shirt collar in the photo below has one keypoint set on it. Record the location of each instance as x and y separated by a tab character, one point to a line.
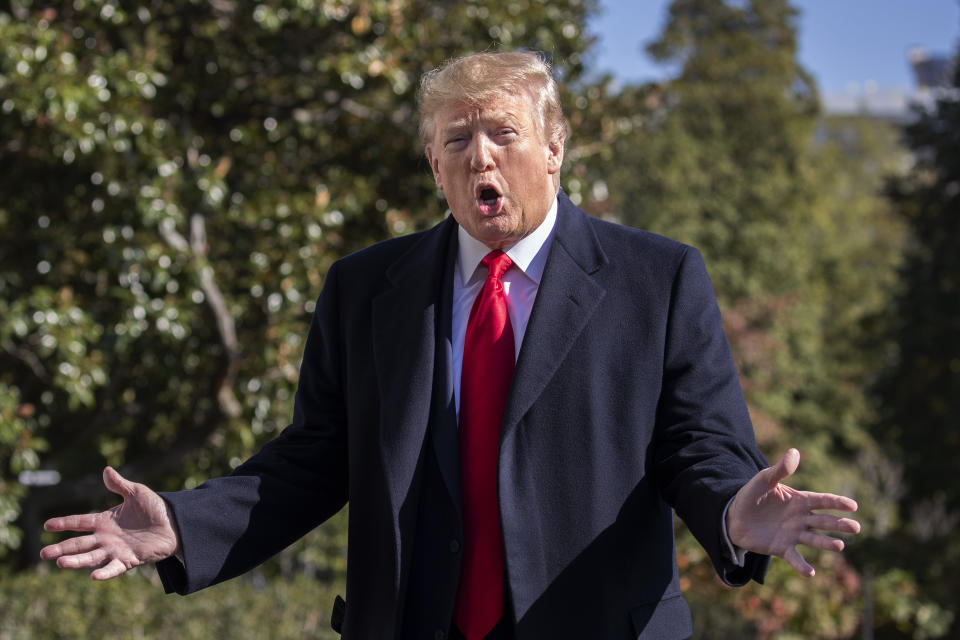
529	254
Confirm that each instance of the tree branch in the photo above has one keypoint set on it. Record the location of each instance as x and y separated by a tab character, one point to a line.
197	248
225	322
27	357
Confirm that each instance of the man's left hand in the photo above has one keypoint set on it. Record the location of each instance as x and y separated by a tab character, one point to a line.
771	518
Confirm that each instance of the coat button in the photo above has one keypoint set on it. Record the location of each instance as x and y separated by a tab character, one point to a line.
439	634
454	546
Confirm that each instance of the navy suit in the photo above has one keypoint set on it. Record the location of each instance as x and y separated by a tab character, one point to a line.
625	403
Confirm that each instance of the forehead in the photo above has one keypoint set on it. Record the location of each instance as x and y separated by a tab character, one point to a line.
514	107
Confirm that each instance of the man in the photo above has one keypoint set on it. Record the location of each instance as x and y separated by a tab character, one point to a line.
511	402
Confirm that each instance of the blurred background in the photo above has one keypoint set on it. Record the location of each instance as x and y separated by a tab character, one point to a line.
178	175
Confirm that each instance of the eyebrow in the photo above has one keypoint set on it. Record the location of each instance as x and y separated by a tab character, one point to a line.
502	117
462	123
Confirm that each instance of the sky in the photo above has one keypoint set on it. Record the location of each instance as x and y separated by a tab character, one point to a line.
850	46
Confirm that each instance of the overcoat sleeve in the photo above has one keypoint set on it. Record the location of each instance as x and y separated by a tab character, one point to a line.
705	448
295	482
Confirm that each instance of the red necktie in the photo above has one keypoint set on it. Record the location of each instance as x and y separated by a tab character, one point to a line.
487	371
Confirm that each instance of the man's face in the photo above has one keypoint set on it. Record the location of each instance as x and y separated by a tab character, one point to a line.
495	168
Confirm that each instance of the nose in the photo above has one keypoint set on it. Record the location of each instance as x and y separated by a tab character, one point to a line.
481	158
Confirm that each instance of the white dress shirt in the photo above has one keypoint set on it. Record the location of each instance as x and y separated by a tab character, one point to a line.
520	283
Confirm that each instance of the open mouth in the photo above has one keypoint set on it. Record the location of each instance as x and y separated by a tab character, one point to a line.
488	199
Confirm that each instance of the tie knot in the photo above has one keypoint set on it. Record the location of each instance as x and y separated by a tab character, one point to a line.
497	263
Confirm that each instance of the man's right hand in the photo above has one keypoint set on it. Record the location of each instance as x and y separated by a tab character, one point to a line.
141	530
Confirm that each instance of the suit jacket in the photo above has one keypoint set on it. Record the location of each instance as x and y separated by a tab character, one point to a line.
625	402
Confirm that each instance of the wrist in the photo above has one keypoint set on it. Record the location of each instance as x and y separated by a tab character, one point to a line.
177	550
731	521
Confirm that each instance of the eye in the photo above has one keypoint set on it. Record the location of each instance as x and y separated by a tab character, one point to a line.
455	141
505	135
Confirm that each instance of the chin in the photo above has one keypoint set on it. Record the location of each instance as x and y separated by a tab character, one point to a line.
492	233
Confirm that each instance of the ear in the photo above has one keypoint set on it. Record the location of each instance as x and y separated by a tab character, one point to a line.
434	166
554	156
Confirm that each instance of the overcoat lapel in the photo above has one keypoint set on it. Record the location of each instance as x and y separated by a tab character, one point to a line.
567	298
405	336
443	420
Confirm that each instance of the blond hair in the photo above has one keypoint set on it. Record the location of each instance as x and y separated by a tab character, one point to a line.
481	79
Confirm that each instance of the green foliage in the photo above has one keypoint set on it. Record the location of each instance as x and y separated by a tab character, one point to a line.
928	361
726	170
19	443
918	389
32	605
732	157
178	178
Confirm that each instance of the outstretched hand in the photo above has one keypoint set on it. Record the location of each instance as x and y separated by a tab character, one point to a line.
771	518
138	531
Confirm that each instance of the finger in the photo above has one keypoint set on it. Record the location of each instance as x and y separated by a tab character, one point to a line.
785	467
73	545
85	522
826	522
117	483
795	560
830	502
821	541
111	570
93	558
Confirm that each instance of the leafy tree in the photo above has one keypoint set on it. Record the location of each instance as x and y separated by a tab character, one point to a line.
178	176
732	156
928	354
918	391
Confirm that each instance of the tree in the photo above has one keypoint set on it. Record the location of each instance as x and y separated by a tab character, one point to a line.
732	157
178	178
918	390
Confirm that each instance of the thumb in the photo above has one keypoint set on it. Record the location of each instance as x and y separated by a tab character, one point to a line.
785	467
116	483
